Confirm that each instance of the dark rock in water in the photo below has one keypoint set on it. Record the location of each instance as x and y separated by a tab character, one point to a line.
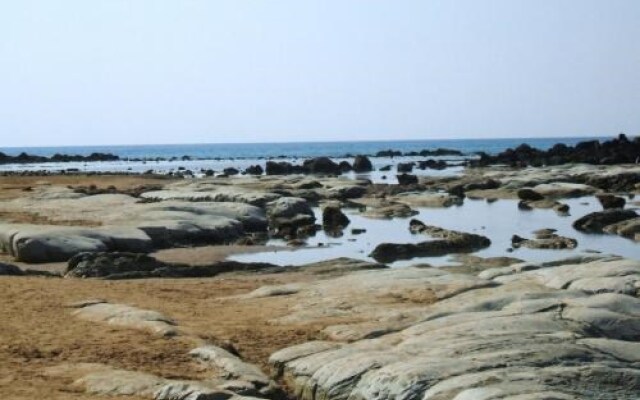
524	205
620	150
10	270
609	201
597	221
561	208
447	242
482	185
334	219
388	153
230	171
362	164
440	152
544	240
24	158
407	179
417	226
460	189
358	231
622	182
345	166
290	217
137	266
282	168
321	165
254	170
529	195
457	190
209	172
385	168
405	167
432	164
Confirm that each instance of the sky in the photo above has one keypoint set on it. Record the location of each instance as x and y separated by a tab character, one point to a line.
188	71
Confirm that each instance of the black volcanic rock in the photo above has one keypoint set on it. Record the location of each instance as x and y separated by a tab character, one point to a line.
321	165
254	170
609	201
620	150
529	195
407	179
362	164
404	167
24	158
345	166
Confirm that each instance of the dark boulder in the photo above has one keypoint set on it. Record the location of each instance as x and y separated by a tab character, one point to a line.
388	153
321	165
230	171
362	164
609	201
345	166
405	167
451	242
254	170
595	222
407	179
619	150
281	168
529	195
432	164
333	218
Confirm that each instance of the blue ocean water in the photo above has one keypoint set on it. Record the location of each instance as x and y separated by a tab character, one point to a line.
301	149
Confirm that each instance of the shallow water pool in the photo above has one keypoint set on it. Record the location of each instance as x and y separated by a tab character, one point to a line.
498	221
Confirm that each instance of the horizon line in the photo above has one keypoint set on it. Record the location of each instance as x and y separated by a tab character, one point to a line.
313	141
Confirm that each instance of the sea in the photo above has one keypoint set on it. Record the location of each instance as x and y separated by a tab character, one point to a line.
297	149
199	158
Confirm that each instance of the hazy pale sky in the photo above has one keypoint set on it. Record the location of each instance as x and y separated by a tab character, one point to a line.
154	71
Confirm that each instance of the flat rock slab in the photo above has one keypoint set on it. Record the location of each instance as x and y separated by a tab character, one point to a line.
104	380
135	228
564	190
530	337
126	316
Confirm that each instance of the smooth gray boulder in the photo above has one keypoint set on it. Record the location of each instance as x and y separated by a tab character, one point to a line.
38	243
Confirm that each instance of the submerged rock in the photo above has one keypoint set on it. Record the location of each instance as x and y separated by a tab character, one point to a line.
321	165
544	240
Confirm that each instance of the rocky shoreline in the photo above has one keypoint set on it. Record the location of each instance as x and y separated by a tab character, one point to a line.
135	261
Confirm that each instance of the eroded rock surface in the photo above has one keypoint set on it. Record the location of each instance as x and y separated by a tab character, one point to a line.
534	336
